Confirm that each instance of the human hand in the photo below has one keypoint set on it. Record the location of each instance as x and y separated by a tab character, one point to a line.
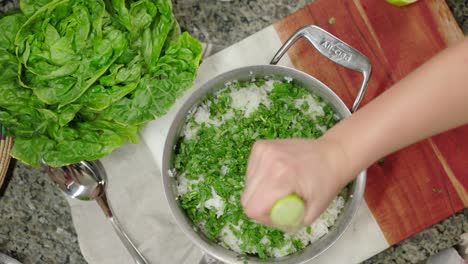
316	170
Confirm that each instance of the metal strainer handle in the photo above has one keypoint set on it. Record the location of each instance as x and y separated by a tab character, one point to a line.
334	49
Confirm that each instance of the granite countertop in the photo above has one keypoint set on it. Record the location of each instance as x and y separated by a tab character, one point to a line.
35	220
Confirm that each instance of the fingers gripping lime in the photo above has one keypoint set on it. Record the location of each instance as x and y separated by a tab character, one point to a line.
288	212
401	2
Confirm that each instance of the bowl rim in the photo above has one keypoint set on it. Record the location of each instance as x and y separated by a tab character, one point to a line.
311	83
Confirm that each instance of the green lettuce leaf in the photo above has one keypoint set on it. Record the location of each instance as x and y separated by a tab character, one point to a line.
8	67
173	74
93	140
28	149
9	26
65	48
79	78
29	7
119	80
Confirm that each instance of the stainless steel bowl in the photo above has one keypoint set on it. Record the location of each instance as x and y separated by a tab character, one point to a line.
332	48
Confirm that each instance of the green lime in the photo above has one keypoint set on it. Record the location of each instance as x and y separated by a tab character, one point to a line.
401	2
288	212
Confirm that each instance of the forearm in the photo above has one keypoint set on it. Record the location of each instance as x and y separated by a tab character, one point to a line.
432	99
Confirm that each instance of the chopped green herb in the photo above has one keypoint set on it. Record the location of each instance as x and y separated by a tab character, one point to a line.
437	190
332	21
211	158
298	244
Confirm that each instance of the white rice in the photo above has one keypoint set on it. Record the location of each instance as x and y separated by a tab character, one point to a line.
247	100
322	225
315	108
228	237
184	185
317	230
171	173
215	203
232	199
224	170
281	252
189	131
265	240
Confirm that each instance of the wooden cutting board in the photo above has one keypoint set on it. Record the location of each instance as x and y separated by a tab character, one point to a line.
402	195
427	182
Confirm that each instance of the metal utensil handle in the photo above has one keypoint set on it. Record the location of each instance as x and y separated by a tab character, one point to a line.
334	49
131	248
137	256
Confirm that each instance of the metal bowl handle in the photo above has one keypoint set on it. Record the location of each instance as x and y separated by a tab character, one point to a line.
334	49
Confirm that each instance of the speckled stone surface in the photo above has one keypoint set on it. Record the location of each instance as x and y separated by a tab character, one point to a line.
35	221
426	243
7	5
226	22
460	11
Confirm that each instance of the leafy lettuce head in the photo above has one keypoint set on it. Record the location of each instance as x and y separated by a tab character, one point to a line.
78	78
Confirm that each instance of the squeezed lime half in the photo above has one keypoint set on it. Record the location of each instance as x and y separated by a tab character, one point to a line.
401	2
288	212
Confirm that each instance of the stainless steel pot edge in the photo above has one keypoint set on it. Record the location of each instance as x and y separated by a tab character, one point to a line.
329	46
211	87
